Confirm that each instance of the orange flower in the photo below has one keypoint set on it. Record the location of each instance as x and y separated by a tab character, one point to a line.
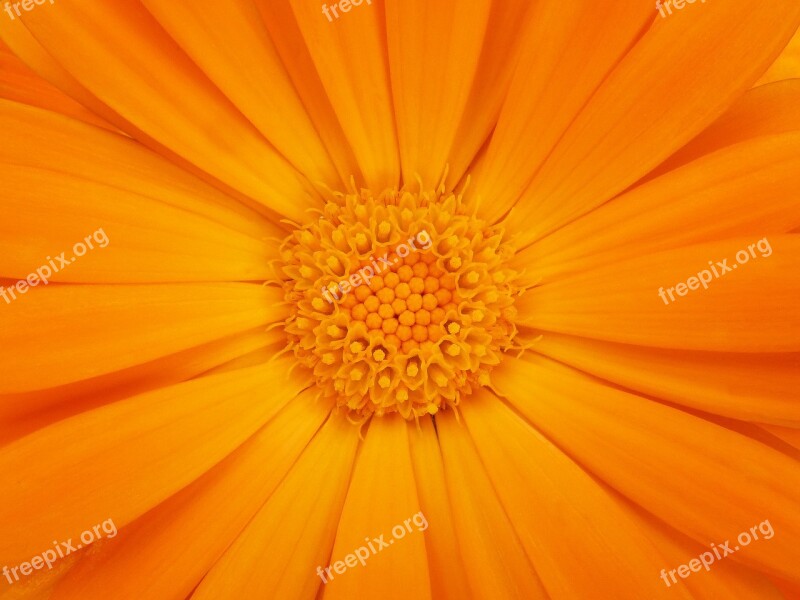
403	265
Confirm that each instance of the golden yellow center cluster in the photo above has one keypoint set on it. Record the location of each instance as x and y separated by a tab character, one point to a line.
401	302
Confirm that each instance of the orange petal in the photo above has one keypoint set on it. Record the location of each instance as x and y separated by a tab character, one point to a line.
653	454
24	45
747	189
294	526
749	387
127	60
787	65
40	139
498	59
434	48
621	302
259	87
556	507
100	228
766	110
350	57
279	19
726	579
101	329
21	84
382	500
142	561
20	414
444	558
497	564
789	435
567	51
119	461
680	76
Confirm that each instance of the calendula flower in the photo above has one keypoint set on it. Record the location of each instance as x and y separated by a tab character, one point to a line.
420	299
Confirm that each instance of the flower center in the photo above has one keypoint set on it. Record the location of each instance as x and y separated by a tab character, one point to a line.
401	302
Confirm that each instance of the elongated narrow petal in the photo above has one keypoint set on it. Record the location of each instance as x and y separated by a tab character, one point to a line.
43	140
142	562
21	84
25	412
567	51
350	57
751	387
259	87
382	500
653	453
444	556
556	507
497	563
750	188
622	302
119	461
285	33
118	326
766	110
104	228
433	45
294	527
658	97
127	60
719	579
498	60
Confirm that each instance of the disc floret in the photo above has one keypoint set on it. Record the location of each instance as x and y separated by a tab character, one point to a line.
402	302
